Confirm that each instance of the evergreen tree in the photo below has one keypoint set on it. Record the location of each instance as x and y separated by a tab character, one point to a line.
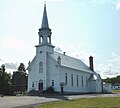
5	82
19	79
21	68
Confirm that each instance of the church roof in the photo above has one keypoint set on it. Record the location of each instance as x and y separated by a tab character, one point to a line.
71	62
45	19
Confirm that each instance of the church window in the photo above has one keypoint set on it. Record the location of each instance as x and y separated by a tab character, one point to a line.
66	78
32	84
86	82
72	79
52	82
41	67
82	80
77	81
41	64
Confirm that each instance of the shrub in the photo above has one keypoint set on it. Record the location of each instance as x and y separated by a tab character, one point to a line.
33	93
50	90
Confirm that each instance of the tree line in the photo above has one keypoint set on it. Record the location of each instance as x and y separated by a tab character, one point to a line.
114	80
15	83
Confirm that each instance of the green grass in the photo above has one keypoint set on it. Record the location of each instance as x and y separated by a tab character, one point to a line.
106	102
115	91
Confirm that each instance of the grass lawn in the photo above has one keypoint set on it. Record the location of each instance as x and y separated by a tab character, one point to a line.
106	102
115	91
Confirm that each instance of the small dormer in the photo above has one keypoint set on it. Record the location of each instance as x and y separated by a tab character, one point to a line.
59	60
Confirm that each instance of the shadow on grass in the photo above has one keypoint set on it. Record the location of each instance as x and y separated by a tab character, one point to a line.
56	96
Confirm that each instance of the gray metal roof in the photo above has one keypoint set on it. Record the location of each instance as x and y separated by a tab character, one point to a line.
45	19
71	62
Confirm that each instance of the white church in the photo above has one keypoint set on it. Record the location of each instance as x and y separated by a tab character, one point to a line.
53	69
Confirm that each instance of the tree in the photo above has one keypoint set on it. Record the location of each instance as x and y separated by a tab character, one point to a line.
19	79
114	80
21	67
5	82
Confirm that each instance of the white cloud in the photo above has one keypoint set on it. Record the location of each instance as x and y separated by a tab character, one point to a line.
1	59
99	1
12	42
118	5
53	0
11	65
116	56
112	67
39	0
58	49
115	4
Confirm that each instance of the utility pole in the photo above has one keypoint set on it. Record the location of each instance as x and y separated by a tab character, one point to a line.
3	72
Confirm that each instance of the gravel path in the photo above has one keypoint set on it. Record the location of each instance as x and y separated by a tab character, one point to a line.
31	101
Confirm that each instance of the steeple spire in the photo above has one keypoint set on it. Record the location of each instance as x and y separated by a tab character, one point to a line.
45	34
45	19
45	31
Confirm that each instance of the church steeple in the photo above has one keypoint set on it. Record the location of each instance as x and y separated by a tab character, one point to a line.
45	19
45	31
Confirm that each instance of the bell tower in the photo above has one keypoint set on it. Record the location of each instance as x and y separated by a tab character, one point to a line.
45	33
43	49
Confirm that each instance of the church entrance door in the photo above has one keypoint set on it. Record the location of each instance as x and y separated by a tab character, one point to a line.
40	86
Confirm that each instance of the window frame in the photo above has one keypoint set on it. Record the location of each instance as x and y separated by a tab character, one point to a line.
72	82
53	83
77	80
40	67
66	79
82	81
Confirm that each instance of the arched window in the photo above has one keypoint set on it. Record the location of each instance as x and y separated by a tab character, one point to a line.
52	82
77	81
82	80
41	67
66	79
86	82
72	79
40	81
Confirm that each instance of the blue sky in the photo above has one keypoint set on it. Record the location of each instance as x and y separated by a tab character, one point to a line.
79	27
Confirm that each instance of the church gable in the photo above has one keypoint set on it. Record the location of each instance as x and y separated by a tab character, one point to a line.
30	64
